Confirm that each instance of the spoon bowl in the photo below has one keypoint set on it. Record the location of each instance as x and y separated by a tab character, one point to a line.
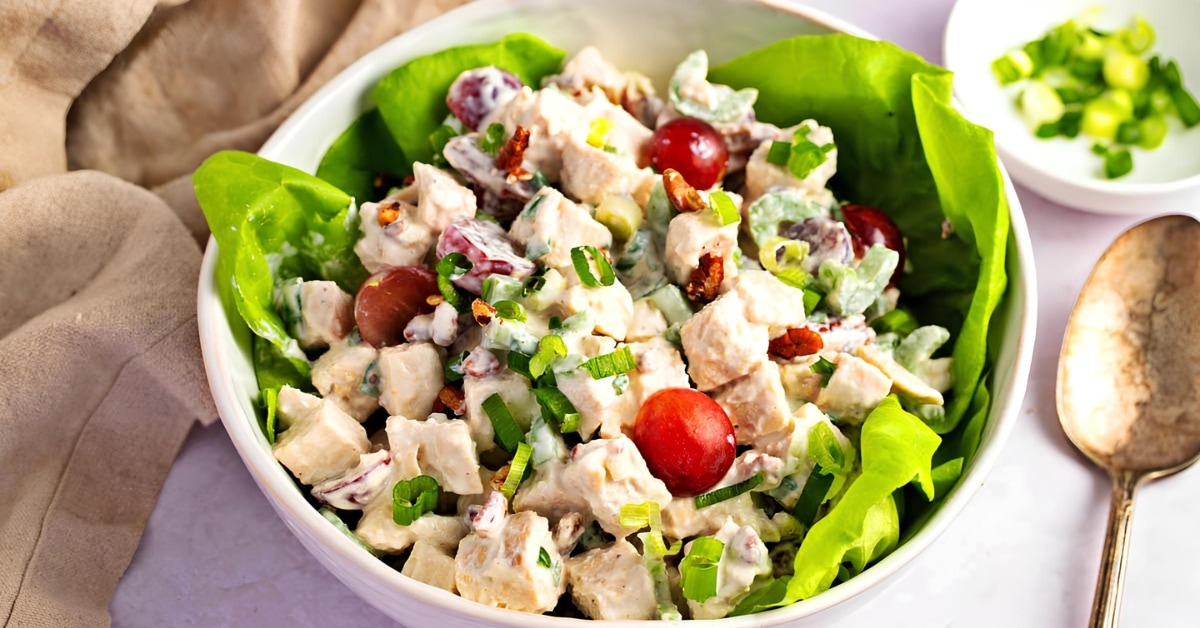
1129	375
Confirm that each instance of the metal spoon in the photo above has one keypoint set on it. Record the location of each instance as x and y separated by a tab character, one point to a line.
1129	376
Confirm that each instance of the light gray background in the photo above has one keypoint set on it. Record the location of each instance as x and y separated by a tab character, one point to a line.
1023	553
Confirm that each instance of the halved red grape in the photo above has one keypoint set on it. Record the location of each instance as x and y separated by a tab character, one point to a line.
477	93
686	439
487	245
389	299
870	226
694	148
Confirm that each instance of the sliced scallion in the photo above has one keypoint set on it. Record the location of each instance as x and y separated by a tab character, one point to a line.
611	364
413	498
728	492
579	258
507	433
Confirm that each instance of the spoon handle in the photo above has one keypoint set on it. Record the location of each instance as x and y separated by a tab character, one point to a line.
1106	607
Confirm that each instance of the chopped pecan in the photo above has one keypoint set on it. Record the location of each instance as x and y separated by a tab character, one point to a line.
682	195
513	152
704	282
482	311
389	212
453	398
796	342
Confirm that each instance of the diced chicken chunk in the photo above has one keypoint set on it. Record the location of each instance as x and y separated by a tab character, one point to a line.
426	563
612	583
769	301
338	375
292	405
762	175
410	376
551	225
326	314
389	243
592	174
441	447
504	571
647	322
611	307
359	486
610	473
324	444
757	403
512	387
903	382
381	533
691	235
721	344
743	559
599	403
442	198
854	389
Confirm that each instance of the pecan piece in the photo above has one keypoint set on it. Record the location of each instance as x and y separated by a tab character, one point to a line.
682	195
513	152
704	282
796	342
482	311
453	398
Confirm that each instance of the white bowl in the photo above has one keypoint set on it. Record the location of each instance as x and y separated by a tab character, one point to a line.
1065	171
723	27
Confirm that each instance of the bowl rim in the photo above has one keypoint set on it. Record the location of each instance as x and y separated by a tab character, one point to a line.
1123	189
271	478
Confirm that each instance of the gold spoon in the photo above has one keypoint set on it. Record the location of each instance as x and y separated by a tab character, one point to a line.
1129	376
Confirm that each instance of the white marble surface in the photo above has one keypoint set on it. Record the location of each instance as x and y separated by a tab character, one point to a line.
1023	553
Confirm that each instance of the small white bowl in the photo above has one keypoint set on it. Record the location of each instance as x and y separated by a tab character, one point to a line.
631	33
1065	171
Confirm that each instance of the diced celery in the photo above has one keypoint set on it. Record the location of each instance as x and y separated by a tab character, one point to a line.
1040	104
1154	131
621	215
1125	71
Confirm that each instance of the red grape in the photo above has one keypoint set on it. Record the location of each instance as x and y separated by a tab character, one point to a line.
477	93
487	246
686	439
870	226
694	148
389	299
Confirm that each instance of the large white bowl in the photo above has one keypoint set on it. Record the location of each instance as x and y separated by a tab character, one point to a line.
1065	171
647	35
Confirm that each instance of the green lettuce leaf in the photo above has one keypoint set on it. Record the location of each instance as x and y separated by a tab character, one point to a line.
363	152
272	223
904	150
412	98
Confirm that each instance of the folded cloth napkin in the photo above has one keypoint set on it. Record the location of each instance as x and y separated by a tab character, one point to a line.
100	367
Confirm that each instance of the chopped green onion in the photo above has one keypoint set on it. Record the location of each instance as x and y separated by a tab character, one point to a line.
451	294
516	470
271	402
611	364
1117	163
824	368
598	131
579	258
1013	66
492	139
725	209
510	310
728	492
899	321
544	558
550	348
555	404
454	266
369	384
508	433
812	496
779	152
825	449
519	363
413	498
453	372
698	569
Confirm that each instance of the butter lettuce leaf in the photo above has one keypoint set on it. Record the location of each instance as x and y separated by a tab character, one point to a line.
272	223
412	98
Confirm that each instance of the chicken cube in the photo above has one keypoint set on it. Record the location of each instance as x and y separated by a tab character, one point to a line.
721	344
442	448
504	570
410	377
647	322
599	403
388	242
691	235
516	391
757	403
381	533
610	473
611	307
324	444
551	225
762	175
744	558
442	198
612	583
426	563
854	389
338	375
292	405
592	174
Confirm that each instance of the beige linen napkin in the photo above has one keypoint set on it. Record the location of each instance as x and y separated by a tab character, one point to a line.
100	370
